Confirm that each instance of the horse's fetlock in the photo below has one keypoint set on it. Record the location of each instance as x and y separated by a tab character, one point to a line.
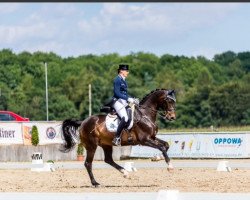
107	161
87	165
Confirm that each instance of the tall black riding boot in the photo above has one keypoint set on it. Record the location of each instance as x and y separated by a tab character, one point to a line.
117	139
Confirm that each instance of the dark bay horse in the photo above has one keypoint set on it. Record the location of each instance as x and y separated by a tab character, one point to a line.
93	131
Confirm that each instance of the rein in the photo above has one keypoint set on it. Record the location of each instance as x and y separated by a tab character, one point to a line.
162	113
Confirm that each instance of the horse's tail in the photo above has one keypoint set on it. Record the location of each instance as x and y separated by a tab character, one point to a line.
69	134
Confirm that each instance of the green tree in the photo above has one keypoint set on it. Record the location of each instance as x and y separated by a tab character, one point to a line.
225	58
34	136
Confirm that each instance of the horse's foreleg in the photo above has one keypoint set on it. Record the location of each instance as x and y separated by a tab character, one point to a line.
163	147
108	150
88	165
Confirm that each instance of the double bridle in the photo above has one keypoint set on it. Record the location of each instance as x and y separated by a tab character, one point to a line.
162	113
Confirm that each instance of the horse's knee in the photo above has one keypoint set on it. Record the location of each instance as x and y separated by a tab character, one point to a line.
166	146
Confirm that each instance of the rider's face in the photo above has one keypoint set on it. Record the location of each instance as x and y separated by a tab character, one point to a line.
124	73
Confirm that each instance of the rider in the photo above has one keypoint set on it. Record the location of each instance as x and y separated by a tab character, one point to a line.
121	101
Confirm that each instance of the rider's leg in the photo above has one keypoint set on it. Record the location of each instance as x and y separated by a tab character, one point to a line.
117	140
121	111
129	113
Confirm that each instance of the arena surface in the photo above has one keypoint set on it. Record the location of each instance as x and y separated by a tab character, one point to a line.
203	178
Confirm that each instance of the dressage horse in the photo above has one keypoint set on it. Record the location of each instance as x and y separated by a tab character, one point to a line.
93	132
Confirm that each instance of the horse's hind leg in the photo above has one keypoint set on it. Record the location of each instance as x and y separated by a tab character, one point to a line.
108	150
88	165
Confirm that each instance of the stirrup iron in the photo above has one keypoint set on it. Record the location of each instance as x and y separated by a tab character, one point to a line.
116	141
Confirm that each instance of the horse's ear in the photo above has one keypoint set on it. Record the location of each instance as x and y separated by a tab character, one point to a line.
170	92
171	95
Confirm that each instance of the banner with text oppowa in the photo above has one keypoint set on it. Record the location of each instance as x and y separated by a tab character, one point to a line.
201	145
20	132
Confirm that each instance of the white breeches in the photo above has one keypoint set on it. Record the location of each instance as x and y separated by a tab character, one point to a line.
119	107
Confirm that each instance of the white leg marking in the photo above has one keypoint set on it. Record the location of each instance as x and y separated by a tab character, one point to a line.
170	167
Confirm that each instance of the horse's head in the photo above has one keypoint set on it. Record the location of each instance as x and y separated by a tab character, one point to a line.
167	104
170	101
162	100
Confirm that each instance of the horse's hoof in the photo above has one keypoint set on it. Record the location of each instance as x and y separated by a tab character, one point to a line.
170	169
96	185
125	173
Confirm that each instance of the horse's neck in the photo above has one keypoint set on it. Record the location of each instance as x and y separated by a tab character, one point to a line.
151	104
150	110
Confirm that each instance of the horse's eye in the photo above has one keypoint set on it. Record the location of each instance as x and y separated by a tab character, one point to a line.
169	100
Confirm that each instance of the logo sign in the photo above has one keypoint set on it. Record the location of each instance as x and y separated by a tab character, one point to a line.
51	133
228	141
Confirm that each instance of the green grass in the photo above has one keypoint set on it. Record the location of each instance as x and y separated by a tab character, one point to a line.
208	129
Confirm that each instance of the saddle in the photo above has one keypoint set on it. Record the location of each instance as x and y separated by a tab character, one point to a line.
108	107
112	119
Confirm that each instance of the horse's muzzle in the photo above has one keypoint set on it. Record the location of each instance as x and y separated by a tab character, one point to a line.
170	116
172	119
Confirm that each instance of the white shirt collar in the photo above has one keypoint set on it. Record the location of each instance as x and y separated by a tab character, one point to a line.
122	77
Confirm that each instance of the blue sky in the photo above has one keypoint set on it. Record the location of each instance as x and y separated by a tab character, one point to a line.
73	29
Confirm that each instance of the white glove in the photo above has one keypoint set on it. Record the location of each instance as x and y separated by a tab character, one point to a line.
136	101
133	100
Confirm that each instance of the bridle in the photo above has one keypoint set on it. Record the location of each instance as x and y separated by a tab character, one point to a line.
162	113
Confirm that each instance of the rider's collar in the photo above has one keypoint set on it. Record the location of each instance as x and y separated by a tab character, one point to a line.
122	77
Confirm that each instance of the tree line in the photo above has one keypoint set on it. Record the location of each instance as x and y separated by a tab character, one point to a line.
209	92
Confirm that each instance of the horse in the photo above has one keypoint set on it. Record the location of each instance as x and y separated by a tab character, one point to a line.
93	132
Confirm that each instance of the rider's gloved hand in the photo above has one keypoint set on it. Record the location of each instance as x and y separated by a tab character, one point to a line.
136	101
133	100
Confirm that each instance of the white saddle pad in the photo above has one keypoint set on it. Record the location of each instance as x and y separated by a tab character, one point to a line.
112	122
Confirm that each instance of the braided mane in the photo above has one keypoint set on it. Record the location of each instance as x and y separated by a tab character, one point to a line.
149	94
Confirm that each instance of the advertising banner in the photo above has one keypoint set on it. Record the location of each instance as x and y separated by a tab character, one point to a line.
49	132
10	133
200	145
248	146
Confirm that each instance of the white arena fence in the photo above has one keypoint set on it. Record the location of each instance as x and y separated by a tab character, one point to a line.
201	145
16	137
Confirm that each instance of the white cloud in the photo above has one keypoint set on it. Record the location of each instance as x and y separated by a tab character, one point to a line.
168	19
205	51
57	10
66	28
12	34
47	46
8	7
41	24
